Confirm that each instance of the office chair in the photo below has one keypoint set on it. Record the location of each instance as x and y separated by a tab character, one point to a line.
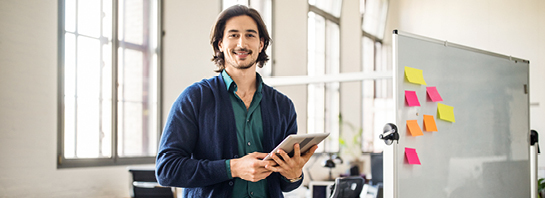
347	187
144	185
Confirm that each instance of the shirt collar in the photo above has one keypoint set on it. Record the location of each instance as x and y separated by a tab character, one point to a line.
227	80
230	82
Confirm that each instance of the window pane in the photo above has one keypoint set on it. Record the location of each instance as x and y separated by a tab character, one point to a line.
331	6
134	106
107	19
88	128
316	66
70	65
133	26
70	95
89	17
106	101
368	54
374	18
332	89
70	15
368	115
316	44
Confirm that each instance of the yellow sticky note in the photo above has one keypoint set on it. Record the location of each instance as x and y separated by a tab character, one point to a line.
413	127
414	75
445	112
429	123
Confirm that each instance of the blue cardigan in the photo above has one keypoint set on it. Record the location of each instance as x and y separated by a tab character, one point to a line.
200	135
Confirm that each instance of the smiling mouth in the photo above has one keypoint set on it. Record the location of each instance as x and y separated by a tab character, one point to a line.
242	53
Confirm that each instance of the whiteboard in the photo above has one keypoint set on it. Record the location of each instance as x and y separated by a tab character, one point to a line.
485	152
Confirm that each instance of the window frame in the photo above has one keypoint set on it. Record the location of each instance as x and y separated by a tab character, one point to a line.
328	148
380	86
115	159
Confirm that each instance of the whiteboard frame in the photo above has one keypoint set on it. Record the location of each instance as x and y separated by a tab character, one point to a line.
391	152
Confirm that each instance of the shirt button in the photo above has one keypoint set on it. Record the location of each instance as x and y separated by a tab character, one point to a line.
249	143
236	156
230	183
247	120
251	193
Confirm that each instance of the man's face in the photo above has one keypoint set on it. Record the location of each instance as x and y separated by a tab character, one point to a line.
240	44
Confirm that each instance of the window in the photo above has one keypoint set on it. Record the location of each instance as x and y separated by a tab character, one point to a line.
264	7
377	94
109	57
324	59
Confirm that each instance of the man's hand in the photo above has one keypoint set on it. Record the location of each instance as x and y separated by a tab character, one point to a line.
291	168
251	167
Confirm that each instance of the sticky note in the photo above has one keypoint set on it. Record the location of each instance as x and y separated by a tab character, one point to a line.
413	127
412	156
445	112
411	98
429	123
433	94
414	75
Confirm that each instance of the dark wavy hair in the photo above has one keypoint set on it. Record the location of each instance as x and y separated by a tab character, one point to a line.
217	34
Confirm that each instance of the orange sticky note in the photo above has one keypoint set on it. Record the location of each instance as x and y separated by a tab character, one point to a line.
412	156
429	123
414	129
411	98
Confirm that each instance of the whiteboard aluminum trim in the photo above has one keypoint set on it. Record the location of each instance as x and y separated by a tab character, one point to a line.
395	62
447	44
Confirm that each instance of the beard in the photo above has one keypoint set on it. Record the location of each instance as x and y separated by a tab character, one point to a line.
233	63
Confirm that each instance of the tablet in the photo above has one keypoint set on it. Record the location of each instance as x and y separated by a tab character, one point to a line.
306	141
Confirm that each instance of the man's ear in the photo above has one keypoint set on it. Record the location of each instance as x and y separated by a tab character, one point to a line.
220	45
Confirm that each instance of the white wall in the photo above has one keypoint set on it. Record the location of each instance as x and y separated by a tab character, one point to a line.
28	111
28	72
513	28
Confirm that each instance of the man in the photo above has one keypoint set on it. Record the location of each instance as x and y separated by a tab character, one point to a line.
219	129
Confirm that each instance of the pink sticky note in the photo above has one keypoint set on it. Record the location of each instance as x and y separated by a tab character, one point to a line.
411	98
433	94
412	156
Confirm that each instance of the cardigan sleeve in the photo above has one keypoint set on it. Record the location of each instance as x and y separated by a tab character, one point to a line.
175	165
285	184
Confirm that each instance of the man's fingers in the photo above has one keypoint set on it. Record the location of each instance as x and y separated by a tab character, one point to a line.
296	150
284	155
259	155
310	152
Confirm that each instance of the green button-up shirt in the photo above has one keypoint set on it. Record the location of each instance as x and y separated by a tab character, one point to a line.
249	135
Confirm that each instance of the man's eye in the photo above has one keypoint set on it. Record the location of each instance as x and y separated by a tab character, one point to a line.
233	35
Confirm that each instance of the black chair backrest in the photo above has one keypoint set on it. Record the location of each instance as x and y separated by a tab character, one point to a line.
348	187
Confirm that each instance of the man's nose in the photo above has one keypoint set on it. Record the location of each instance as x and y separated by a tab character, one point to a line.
241	42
